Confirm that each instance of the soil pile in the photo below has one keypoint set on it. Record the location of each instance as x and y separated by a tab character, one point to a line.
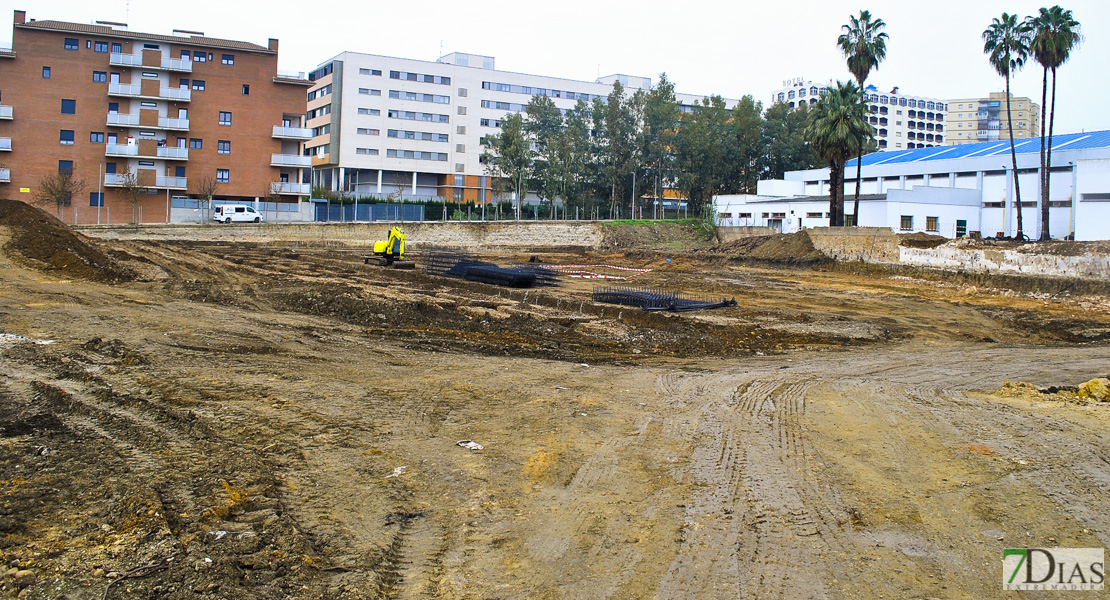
921	240
654	235
51	246
784	249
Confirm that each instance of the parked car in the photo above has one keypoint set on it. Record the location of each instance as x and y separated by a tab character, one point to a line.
238	213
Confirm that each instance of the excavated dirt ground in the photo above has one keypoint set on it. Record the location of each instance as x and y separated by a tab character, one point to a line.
265	422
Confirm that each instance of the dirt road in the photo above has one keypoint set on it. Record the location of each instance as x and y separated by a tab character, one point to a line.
259	422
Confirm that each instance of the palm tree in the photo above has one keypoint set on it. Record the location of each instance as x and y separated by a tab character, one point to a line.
864	45
838	128
1054	35
1007	43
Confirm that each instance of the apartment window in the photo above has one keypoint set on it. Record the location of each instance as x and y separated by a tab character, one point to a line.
461	129
46	72
183	83
369	111
71	44
223	147
369	71
225	117
368	131
369	92
462	110
228	59
179	171
65	137
200	57
110	167
460	148
196	143
146	163
932	224
96	137
223	175
198	85
462	92
100	77
96	199
148	104
150	75
907	222
117	48
246	89
367	151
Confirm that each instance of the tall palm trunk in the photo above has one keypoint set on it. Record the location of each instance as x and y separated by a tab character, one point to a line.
859	176
1044	142
1013	157
1048	165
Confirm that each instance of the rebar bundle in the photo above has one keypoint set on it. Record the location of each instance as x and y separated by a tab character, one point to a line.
463	266
655	299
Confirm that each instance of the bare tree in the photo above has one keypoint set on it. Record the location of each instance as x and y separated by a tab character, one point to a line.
129	183
206	189
59	188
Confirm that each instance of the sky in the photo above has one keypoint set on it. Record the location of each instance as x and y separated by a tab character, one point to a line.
731	49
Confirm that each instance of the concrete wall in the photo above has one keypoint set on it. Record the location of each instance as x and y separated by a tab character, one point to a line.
989	260
869	244
474	236
729	234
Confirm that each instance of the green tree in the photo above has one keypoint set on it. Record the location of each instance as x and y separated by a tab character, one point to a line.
58	188
784	132
508	155
1054	35
864	45
619	148
838	126
702	150
576	150
1006	42
661	118
544	129
747	146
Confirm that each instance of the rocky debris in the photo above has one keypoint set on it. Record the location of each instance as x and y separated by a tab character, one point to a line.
1097	390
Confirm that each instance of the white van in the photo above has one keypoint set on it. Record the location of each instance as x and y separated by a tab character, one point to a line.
227	213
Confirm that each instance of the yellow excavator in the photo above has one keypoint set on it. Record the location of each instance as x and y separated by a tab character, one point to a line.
391	251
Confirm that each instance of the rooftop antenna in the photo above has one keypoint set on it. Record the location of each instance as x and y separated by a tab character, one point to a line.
127	13
440	49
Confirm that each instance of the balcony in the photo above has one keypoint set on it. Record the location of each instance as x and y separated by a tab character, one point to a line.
143	150
136	91
286	188
169	183
290	160
124	120
292	133
5	144
166	64
5	112
5	175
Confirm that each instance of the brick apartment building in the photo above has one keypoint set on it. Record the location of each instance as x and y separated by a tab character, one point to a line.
173	110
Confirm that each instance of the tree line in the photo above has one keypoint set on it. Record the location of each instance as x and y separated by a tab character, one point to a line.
616	155
839	130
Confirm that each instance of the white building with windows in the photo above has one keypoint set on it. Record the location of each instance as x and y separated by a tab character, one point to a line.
901	121
949	191
387	126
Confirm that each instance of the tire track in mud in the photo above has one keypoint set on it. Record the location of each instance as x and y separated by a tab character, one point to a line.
760	511
412	567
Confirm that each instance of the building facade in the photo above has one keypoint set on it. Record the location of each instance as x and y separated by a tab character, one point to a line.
396	127
973	120
901	121
164	112
950	191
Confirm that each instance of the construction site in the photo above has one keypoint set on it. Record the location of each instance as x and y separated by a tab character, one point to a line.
542	411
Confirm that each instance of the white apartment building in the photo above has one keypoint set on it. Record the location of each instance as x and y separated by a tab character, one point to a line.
949	191
386	126
901	121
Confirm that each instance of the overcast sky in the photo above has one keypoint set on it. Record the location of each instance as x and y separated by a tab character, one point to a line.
727	48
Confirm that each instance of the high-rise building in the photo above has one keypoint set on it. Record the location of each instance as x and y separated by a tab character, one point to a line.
984	119
901	121
387	126
164	112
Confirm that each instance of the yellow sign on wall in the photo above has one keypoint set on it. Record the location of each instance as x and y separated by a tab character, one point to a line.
25	190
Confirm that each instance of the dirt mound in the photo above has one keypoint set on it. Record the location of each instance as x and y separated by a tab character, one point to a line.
654	235
51	246
783	249
921	240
